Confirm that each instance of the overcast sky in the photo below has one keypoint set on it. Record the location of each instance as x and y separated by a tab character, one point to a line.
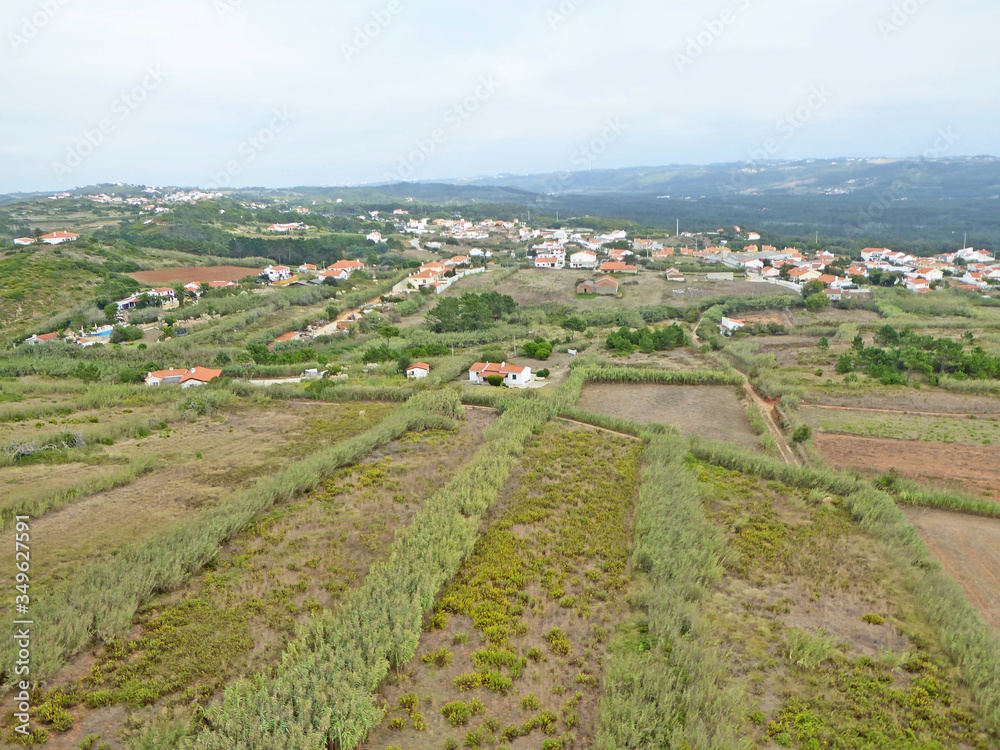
311	92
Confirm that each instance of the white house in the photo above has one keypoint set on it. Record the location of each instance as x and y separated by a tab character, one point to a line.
185	378
278	273
418	370
728	325
57	238
296	226
583	259
45	337
514	376
24	241
550	261
375	237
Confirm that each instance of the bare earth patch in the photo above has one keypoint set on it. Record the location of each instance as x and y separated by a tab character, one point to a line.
712	411
969	549
972	468
201	274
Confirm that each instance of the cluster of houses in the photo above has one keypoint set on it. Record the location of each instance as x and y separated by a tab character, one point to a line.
339	271
552	252
438	275
973	268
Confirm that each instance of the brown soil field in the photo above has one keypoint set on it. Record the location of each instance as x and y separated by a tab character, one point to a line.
970	468
200	274
236	449
909	399
768	316
302	556
969	549
713	411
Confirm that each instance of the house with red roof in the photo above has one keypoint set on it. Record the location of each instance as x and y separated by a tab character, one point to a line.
348	265
418	370
184	378
57	238
515	376
278	273
45	337
728	325
24	241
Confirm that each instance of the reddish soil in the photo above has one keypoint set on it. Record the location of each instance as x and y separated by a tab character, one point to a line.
969	549
971	468
201	274
712	411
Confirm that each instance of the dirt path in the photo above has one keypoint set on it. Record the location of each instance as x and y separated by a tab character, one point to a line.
787	454
907	412
969	549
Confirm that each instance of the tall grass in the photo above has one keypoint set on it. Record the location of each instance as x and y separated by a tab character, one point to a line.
968	641
103	597
672	691
323	692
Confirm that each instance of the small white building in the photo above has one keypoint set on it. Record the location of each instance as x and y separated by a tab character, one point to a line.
515	376
418	370
278	273
728	325
583	259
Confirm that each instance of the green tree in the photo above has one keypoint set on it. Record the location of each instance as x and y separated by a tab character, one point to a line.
823	343
844	365
388	332
111	312
802	433
817	303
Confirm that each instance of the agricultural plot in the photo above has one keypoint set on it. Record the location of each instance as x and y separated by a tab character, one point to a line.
822	631
514	651
964	430
299	559
711	411
199	274
970	468
968	547
925	400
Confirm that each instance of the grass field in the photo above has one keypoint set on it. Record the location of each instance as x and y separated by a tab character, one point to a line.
237	617
713	411
822	630
514	652
965	430
536	286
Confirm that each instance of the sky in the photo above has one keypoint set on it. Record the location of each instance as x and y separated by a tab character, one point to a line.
236	93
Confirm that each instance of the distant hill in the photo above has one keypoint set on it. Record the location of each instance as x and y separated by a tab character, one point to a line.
953	179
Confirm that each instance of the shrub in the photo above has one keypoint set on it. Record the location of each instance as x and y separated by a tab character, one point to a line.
543	373
802	434
457	713
495	380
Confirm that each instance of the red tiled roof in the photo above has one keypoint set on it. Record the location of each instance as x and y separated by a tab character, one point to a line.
418	366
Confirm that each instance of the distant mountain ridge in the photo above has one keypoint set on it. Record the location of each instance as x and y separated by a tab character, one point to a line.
952	178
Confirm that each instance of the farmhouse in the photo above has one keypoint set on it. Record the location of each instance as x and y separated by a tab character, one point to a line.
347	265
728	325
586	287
36	339
550	261
24	240
287	227
185	378
57	238
418	370
278	273
606	285
513	375
672	274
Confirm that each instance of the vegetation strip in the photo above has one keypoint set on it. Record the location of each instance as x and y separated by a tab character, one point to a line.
323	692
102	600
666	684
972	645
39	506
